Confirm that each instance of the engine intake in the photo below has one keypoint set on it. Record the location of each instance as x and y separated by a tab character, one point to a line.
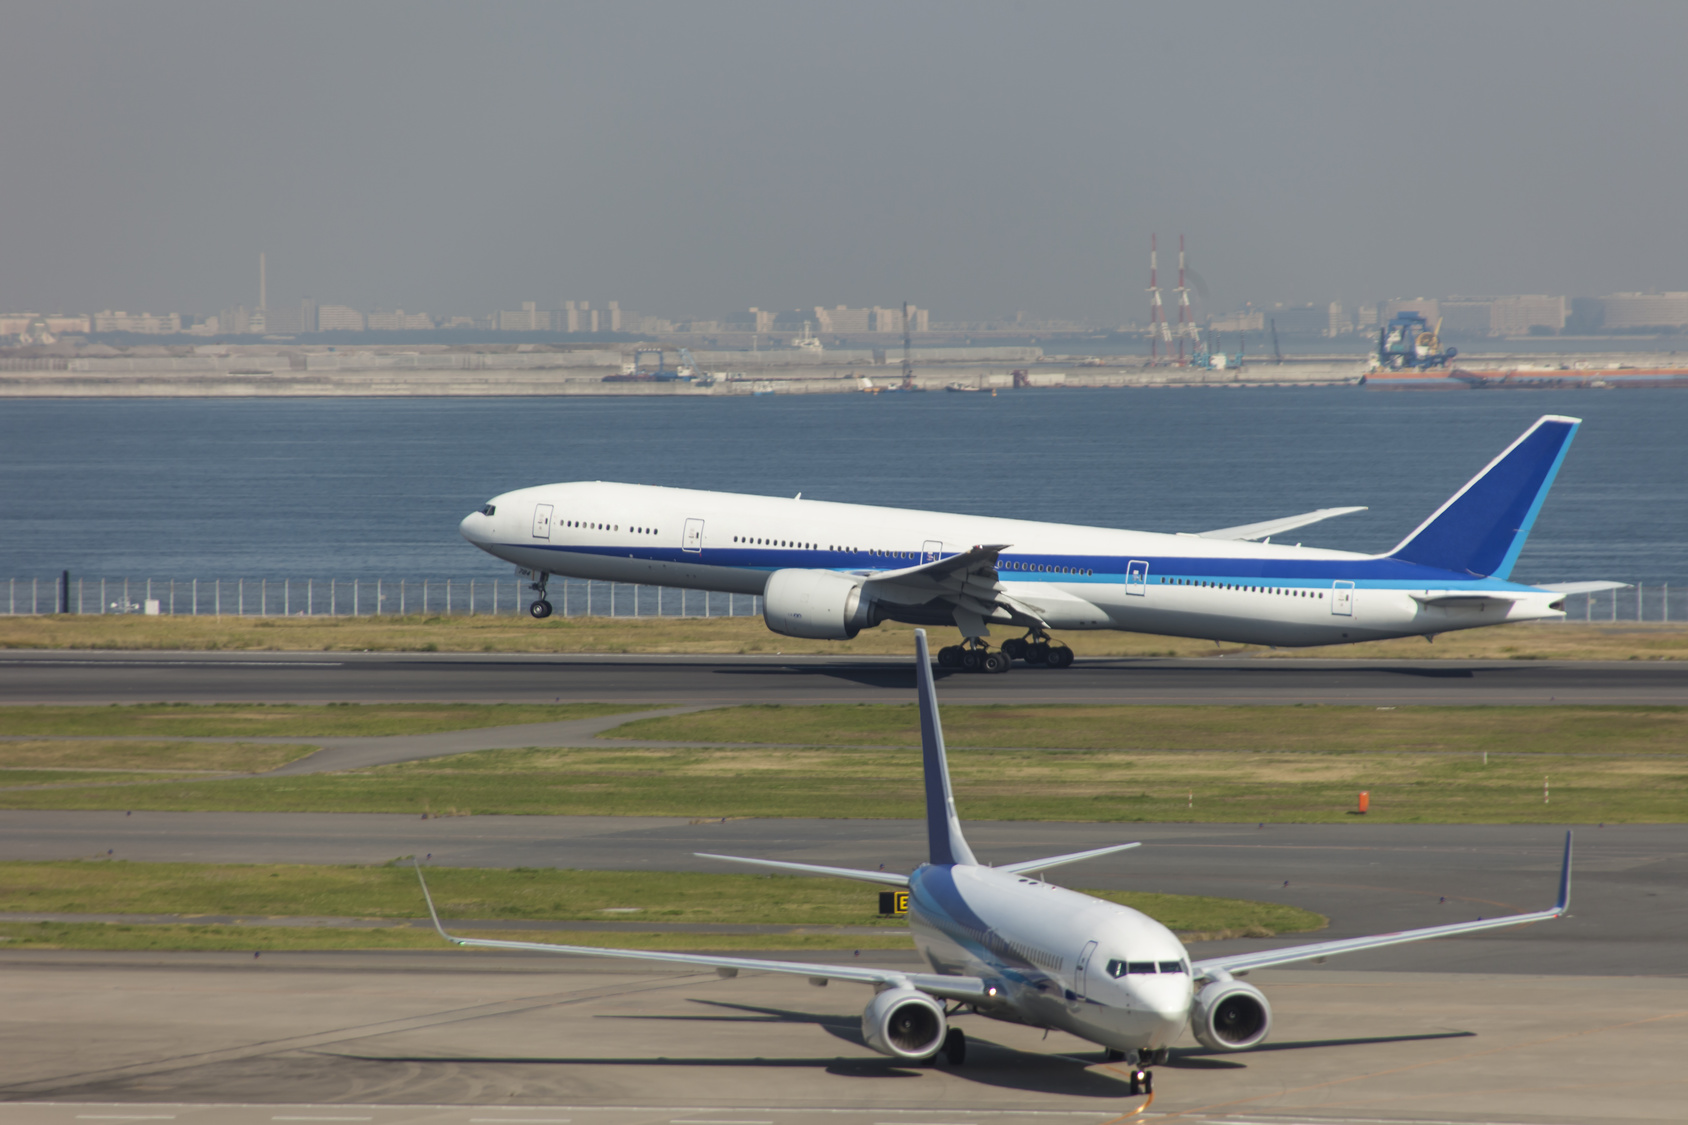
1229	1015
904	1023
817	604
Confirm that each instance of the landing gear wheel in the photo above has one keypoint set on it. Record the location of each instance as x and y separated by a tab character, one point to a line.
1060	656
1142	1082
994	662
955	1046
971	659
1037	653
1015	648
540	609
949	656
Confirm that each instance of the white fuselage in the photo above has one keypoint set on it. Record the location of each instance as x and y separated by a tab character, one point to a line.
1079	577
1060	959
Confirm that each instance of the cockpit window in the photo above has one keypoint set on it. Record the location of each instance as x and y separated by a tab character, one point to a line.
1121	968
489	510
1140	967
1116	968
1172	966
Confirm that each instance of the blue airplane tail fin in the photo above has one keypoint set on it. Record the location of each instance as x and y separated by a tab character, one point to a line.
945	843
1481	529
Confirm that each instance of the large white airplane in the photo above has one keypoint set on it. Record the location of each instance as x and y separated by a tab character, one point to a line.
829	570
1003	943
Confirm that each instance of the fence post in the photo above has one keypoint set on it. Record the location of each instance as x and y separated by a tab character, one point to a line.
333	596
287	597
1664	603
356	584
102	596
310	598
401	597
448	597
378	597
1640	587
495	597
471	597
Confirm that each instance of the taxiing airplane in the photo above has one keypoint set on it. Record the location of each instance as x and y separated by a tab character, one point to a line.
828	570
1003	943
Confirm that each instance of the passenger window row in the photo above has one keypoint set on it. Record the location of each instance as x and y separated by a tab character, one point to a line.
775	543
1286	591
1044	569
590	526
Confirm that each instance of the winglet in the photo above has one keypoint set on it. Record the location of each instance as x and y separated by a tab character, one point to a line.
945	843
432	913
1563	906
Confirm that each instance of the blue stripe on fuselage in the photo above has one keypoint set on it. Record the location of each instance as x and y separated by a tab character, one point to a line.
1368	573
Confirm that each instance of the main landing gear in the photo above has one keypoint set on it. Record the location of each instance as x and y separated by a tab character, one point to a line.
540	609
1035	648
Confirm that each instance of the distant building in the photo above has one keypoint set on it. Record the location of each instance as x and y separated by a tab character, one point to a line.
529	318
1365	317
164	324
399	321
750	320
1645	310
339	318
290	319
1466	317
1337	322
1427	307
1249	320
1520	316
842	319
891	320
55	324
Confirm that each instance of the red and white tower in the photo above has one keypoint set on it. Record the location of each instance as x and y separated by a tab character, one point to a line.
1157	314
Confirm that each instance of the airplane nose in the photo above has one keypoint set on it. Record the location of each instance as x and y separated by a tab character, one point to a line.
474	528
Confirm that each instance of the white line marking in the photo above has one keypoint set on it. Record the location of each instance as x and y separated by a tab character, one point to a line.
125	1117
322	1119
714	1121
519	1120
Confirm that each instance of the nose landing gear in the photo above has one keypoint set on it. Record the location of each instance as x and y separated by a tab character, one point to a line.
540	608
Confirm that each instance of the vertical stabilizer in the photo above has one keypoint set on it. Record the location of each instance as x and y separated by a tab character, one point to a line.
1482	528
945	843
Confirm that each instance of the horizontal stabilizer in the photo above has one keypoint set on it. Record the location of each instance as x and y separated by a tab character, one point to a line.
1266	528
1581	587
1044	864
888	877
1482	528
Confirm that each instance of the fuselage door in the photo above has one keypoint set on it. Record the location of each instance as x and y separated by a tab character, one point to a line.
1342	598
542	521
1137	577
932	551
1083	967
693	538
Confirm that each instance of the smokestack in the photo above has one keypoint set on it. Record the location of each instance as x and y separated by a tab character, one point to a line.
263	286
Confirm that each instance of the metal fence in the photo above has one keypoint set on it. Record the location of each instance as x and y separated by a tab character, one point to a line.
454	597
363	597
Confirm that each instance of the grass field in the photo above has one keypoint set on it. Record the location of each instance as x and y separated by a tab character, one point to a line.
87	755
1087	785
282	720
391	892
1616	641
1306	727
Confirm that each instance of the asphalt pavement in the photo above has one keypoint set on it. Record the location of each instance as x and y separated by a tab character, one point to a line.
203	677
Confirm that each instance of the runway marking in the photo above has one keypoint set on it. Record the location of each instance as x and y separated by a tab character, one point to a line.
714	1121
519	1121
176	663
128	1117
289	1118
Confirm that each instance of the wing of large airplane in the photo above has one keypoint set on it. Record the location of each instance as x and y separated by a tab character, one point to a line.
1243	962
967	580
1266	528
890	877
1027	865
945	987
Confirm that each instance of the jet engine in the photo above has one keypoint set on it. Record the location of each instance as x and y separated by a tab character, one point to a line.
1229	1015
818	604
904	1023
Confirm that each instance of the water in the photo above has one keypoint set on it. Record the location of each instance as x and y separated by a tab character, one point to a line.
374	488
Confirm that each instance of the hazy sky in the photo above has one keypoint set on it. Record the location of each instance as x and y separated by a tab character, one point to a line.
975	158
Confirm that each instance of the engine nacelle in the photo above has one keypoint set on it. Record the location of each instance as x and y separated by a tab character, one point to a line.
1229	1015
817	604
904	1023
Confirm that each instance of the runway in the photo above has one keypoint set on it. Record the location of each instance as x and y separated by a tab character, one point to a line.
457	1038
1630	901
203	677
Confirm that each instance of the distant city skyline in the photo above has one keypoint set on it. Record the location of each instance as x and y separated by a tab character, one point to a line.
982	158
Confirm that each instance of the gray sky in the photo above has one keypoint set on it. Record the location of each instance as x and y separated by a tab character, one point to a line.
975	158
